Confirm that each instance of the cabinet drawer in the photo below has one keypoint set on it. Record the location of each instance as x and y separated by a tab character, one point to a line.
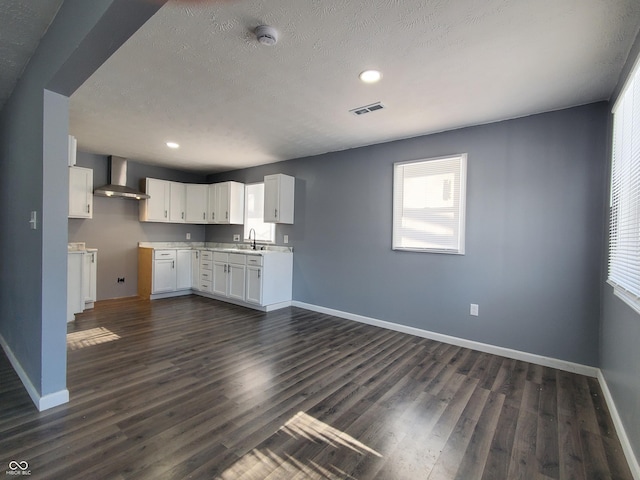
206	254
254	260
206	286
205	265
220	257
237	258
206	276
164	254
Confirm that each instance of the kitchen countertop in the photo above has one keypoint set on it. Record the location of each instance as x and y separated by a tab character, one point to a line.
231	247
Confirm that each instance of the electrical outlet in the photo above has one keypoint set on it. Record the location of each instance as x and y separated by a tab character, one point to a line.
286	239
236	237
188	236
474	309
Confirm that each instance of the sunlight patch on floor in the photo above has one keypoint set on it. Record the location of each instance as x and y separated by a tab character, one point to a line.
293	449
93	336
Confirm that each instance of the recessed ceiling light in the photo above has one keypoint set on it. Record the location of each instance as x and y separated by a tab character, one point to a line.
173	145
370	76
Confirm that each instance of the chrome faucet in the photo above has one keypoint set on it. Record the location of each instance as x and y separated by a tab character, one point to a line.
253	245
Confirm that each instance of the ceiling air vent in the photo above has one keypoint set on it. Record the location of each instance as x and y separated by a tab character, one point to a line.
367	109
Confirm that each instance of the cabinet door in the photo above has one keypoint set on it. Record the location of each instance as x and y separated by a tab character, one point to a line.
236	275
183	269
220	278
278	198
164	276
80	192
90	276
156	208
254	285
212	195
176	202
222	202
195	269
196	203
271	194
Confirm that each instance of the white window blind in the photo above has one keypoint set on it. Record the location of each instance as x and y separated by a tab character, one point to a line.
624	233
429	205
254	214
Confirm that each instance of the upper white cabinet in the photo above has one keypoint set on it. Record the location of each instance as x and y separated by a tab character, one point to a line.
193	203
177	195
226	203
80	192
197	198
279	193
156	208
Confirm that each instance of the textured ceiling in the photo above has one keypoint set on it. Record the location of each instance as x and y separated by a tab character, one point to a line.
22	25
194	74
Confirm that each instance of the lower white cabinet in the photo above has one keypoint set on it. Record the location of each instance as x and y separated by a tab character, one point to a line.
164	272
183	269
256	279
254	285
90	277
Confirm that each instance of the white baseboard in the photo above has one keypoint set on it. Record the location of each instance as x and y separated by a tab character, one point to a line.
634	466
41	402
461	342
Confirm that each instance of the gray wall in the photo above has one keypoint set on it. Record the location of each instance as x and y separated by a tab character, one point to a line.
620	330
33	130
535	201
115	229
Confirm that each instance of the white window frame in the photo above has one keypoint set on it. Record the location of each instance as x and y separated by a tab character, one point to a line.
624	207
423	173
270	228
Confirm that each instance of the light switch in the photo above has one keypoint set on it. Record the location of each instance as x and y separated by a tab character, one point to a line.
34	220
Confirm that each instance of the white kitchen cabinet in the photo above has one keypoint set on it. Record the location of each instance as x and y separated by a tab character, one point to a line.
156	208
80	192
183	270
206	271
229	275
75	274
89	279
196	203
212	198
226	203
164	271
279	192
195	269
177	194
254	284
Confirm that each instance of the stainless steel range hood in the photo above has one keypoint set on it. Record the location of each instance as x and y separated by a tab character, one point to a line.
118	186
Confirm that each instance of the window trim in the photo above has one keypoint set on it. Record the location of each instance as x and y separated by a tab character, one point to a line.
462	172
624	294
245	232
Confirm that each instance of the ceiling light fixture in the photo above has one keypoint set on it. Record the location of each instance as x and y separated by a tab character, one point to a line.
370	76
266	35
173	145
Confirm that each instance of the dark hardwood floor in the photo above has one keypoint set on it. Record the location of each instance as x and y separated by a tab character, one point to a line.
194	388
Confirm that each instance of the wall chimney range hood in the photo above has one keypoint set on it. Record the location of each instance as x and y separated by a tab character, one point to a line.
118	186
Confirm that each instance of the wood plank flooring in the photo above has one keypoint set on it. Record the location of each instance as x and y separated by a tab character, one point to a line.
194	388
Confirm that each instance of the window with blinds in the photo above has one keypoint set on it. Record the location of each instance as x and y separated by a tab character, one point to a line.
429	205
624	227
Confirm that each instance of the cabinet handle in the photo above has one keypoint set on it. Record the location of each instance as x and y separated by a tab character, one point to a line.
197	253
276	213
204	215
213	216
183	215
173	264
165	214
93	258
225	269
226	215
258	273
